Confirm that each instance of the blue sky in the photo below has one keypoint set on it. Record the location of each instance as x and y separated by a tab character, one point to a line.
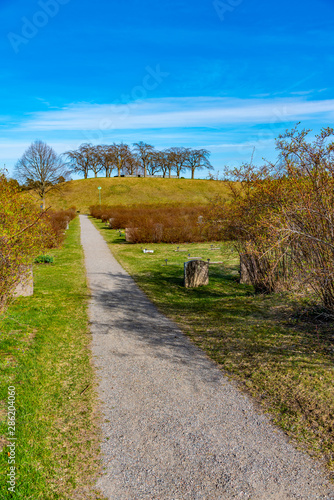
226	75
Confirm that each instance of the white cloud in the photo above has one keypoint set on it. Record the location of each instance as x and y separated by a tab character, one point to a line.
178	113
228	127
257	143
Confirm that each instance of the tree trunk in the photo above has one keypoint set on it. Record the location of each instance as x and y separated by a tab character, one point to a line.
43	202
244	274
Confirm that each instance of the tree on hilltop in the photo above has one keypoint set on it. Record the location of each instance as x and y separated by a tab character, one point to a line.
106	156
178	159
122	158
197	159
84	159
143	153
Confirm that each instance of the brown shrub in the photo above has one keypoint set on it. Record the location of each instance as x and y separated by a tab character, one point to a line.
159	223
57	223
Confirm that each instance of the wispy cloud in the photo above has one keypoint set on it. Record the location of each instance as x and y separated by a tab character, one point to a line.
230	128
233	145
178	113
12	149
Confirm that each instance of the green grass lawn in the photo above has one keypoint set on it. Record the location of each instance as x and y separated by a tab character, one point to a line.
282	358
44	354
128	191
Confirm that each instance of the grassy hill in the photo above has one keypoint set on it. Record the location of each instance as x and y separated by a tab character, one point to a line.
126	191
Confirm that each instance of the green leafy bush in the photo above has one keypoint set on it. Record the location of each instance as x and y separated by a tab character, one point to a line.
25	231
44	259
21	237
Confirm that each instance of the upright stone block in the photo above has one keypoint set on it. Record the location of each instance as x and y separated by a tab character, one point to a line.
196	273
128	235
26	286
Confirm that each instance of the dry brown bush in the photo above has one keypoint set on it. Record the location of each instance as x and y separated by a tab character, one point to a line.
160	223
57	222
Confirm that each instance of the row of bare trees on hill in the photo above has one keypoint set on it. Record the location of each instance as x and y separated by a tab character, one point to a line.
143	159
42	170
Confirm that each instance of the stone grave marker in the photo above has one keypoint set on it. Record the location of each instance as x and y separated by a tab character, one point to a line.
129	232
196	273
25	288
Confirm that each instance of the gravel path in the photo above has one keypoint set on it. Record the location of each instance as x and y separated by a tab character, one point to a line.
175	427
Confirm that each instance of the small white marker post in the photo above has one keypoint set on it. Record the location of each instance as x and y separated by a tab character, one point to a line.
99	188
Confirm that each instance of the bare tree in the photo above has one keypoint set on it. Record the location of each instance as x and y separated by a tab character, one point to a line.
197	159
106	156
131	166
122	157
155	162
159	160
178	159
94	159
143	153
41	169
80	160
169	158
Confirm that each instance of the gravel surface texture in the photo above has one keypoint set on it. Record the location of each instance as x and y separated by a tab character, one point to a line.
174	426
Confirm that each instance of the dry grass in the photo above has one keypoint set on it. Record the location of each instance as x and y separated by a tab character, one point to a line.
127	191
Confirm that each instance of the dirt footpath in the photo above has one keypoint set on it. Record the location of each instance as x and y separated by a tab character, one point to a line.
175	427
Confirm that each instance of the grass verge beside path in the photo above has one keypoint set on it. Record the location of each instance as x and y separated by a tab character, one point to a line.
44	353
284	360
